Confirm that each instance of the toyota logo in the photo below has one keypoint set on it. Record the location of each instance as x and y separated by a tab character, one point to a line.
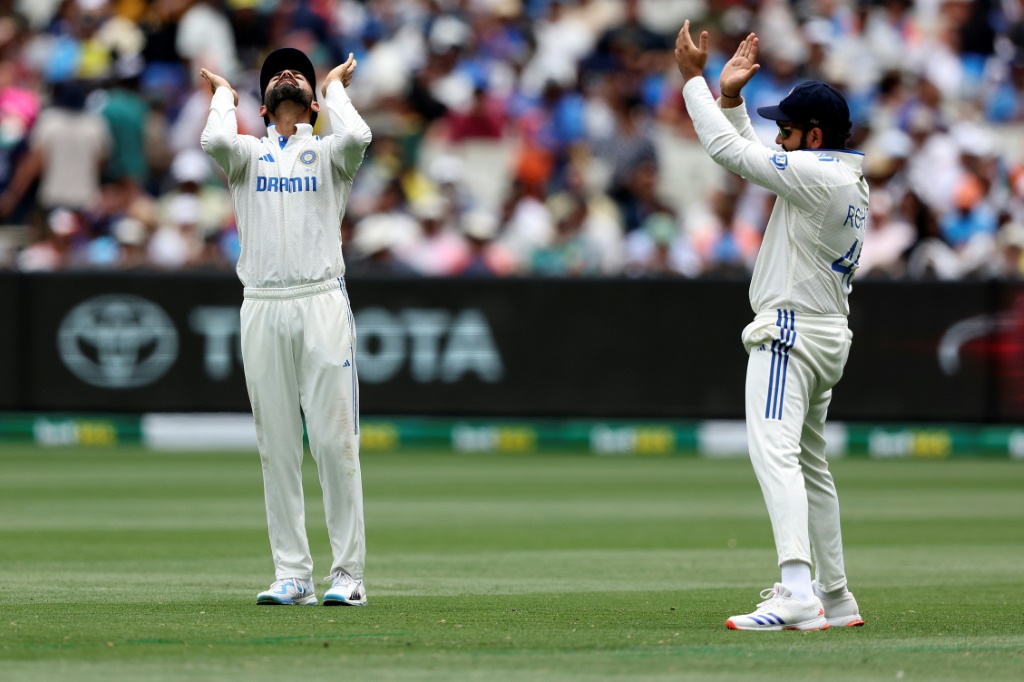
117	341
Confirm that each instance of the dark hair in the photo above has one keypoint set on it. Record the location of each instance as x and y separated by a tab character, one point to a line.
835	139
70	95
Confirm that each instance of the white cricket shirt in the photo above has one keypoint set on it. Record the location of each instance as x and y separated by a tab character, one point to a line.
814	236
289	193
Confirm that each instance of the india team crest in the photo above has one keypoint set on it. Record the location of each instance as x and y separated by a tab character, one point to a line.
308	157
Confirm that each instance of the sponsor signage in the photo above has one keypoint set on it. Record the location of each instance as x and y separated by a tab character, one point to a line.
10	337
123	343
629	349
117	341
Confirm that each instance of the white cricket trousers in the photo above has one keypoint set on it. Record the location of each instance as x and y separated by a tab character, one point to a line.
299	355
794	361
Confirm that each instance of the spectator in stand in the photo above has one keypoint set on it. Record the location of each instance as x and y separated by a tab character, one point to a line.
205	36
127	114
627	45
725	243
585	87
889	237
67	148
1010	242
191	173
526	224
930	256
629	150
438	250
970	216
601	225
132	235
482	121
485	257
56	248
376	239
19	103
571	252
177	241
660	249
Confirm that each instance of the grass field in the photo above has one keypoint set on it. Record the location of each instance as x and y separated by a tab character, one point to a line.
127	564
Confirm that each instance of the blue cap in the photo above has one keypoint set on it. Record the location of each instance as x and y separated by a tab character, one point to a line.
814	103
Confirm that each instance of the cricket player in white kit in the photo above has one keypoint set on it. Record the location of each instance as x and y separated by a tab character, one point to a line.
298	337
799	340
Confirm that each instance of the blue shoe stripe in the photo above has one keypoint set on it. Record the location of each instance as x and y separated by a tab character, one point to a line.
779	620
757	620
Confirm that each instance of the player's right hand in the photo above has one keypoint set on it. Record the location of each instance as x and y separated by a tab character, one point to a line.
216	81
691	58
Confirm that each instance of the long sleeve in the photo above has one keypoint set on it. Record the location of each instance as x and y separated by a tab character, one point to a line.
794	176
350	135
220	138
740	120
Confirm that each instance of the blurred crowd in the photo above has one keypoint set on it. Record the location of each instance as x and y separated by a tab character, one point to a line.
511	137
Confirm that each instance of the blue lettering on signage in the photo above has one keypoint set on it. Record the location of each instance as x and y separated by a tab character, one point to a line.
285	184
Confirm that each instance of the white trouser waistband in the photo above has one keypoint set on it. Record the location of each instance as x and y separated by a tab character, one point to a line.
300	291
789	317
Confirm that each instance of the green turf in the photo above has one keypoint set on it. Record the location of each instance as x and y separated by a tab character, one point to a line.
126	564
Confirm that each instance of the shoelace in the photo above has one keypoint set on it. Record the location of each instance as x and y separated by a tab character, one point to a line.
769	595
339	575
297	584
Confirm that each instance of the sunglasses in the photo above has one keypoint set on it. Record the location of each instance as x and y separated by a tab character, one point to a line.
786	131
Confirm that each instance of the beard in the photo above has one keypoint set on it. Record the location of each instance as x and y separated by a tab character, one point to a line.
287	92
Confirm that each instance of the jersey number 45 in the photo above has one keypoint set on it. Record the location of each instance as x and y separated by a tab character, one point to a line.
846	265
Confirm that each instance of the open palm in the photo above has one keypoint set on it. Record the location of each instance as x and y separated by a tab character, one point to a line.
738	71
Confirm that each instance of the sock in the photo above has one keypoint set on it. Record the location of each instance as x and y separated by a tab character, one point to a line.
796	575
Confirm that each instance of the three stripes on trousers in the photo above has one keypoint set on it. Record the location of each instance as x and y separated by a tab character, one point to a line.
780	363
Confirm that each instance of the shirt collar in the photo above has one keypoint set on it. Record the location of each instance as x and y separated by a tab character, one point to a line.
301	130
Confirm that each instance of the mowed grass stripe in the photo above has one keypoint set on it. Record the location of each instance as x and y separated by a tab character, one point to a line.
126	564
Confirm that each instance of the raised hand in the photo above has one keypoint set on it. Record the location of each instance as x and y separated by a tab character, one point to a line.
689	57
738	71
216	81
342	72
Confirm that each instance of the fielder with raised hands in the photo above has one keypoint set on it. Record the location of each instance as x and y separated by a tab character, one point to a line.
799	340
298	337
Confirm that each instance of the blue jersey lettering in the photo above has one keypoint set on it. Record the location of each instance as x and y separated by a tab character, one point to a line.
302	183
855	216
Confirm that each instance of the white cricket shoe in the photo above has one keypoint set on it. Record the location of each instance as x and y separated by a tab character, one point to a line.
345	590
780	611
840	611
288	591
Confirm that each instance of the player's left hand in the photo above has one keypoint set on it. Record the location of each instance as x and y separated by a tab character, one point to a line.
738	71
689	57
342	72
